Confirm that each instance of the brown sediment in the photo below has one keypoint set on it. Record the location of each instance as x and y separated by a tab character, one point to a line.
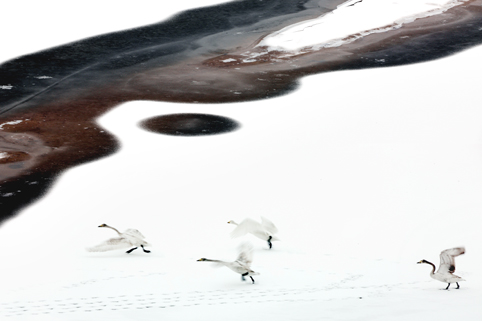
9	157
61	132
53	138
19	152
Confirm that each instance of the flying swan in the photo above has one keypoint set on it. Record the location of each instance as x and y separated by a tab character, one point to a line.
242	265
264	230
447	267
130	238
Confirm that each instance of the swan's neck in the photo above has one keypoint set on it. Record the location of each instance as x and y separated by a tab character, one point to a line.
433	267
113	229
209	260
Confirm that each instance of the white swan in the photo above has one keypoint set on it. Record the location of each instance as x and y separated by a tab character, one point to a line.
264	230
447	267
130	238
242	265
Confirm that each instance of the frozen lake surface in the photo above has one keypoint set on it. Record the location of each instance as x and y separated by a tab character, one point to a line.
364	172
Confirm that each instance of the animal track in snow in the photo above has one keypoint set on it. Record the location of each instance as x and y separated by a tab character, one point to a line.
192	298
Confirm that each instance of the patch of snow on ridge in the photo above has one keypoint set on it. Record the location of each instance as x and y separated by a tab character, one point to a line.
15	122
353	19
6	86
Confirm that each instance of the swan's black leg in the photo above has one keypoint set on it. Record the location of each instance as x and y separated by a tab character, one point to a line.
243	275
131	250
458	286
147	251
251	278
269	241
447	287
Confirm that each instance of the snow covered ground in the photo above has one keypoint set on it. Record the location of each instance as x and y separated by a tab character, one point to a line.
364	172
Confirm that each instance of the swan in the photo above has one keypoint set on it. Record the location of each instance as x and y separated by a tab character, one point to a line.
242	265
264	230
130	237
447	267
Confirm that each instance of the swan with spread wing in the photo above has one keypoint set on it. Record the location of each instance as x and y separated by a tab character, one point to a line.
265	230
242	264
130	238
447	267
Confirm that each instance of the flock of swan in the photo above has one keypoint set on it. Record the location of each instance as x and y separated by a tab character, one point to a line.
266	230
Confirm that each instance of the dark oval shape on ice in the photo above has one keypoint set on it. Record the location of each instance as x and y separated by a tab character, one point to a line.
189	124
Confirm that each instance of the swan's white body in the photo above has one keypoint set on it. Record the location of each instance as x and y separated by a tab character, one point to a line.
130	238
242	264
447	266
263	230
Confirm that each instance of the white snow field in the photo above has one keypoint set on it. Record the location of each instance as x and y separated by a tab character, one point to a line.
364	173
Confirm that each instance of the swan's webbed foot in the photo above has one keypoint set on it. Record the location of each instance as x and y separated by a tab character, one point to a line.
269	242
146	251
458	286
131	250
447	287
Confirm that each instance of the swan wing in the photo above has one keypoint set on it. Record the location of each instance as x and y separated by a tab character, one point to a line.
248	225
268	225
245	255
114	243
134	233
447	259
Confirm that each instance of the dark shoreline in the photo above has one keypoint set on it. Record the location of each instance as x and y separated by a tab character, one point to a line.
90	78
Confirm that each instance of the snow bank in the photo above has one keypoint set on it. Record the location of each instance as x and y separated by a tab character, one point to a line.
352	20
13	122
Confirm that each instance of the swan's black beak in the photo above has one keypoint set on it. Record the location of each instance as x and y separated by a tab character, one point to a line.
419	262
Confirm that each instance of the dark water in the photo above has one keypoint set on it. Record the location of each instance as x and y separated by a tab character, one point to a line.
99	60
78	69
91	76
190	124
